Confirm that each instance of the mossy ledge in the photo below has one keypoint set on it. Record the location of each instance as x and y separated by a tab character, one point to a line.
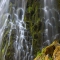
51	52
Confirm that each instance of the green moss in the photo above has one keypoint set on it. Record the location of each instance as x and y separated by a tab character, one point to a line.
50	58
33	22
41	55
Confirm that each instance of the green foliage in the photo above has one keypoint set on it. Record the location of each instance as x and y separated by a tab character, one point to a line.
29	9
39	53
33	22
50	58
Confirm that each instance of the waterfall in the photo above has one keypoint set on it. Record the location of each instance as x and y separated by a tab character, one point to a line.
12	19
4	4
49	20
3	16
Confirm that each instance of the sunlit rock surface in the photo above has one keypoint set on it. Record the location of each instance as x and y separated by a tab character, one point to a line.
51	52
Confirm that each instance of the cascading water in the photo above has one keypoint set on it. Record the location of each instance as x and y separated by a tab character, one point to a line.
23	51
4	4
3	15
49	19
21	44
14	20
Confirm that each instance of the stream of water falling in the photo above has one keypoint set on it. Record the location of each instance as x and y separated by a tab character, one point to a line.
4	4
49	18
14	20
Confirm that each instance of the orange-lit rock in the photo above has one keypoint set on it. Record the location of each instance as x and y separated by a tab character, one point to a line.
56	54
51	52
47	57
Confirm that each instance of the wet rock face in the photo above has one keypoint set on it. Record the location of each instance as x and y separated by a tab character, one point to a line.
20	13
12	1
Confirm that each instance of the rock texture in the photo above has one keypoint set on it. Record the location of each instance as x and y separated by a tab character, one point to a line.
46	57
56	54
51	52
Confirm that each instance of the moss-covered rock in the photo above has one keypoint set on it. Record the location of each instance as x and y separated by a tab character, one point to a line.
51	52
